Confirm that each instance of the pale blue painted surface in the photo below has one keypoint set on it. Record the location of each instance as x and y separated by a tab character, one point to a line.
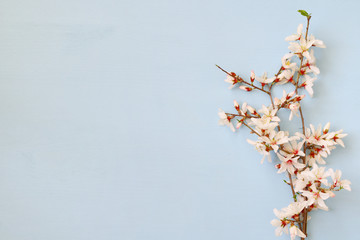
109	118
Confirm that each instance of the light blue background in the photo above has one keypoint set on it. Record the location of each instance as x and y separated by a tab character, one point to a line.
109	118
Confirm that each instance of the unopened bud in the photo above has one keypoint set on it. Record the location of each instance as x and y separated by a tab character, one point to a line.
248	89
252	76
236	105
290	95
299	98
251	109
326	128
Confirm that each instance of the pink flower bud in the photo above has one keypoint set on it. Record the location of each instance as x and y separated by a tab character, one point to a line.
290	95
251	109
326	128
236	105
299	98
248	89
252	76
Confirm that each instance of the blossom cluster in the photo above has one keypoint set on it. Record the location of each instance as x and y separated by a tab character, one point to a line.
301	155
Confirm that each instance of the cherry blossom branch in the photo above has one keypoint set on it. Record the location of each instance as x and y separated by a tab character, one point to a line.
298	154
242	80
304	212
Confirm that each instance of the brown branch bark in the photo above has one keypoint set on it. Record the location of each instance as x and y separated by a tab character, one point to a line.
242	80
304	212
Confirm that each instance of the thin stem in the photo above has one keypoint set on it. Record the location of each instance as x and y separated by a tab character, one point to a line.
272	102
252	85
292	186
304	212
307	27
242	80
251	129
303	128
305	221
241	115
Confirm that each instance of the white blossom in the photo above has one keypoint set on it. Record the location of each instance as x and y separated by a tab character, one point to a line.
264	79
286	63
284	217
289	163
293	147
335	137
317	197
310	64
231	79
261	148
263	125
269	113
285	76
275	139
301	155
295	231
308	83
297	35
337	182
317	42
225	120
294	107
302	47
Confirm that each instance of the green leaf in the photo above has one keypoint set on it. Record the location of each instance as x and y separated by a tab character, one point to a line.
304	13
